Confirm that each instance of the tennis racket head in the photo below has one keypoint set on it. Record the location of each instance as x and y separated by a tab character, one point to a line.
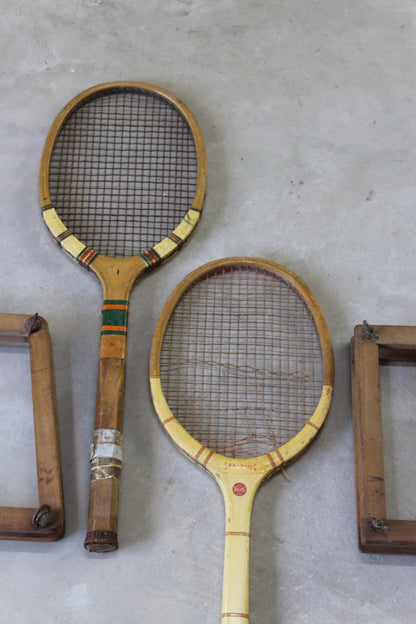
242	366
123	173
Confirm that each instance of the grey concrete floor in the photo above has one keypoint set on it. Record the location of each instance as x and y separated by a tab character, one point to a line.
308	113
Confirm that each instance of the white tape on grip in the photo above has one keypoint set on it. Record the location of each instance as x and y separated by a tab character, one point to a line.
107	445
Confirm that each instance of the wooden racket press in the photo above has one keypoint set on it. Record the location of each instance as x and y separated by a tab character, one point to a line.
370	347
45	523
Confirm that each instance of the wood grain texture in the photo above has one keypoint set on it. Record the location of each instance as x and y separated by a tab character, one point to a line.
395	344
49	523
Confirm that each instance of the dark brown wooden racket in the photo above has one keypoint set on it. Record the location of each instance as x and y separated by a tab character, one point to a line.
241	374
122	184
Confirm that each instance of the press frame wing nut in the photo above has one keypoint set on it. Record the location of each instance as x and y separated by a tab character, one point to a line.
43	517
377	524
369	332
33	324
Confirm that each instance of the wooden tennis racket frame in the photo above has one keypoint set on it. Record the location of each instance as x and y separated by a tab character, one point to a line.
370	347
240	478
46	522
117	276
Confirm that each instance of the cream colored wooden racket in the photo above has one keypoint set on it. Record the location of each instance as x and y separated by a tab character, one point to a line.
241	375
122	183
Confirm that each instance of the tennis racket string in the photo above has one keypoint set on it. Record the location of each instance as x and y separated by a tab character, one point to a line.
241	363
123	171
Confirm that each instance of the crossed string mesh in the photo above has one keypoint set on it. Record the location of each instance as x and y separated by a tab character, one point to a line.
241	362
123	171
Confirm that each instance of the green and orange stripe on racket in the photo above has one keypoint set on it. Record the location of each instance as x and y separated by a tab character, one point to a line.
122	184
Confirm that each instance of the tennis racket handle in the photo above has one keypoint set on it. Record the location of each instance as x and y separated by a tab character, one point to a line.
238	497
102	518
106	457
235	603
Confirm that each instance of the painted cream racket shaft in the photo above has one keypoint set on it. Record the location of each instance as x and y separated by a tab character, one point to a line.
122	184
238	492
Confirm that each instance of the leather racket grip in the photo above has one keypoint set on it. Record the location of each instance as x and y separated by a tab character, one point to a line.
106	457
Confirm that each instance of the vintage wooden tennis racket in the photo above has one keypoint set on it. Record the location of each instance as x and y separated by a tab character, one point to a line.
241	375
122	183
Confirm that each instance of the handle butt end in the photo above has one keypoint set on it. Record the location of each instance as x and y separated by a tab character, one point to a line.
101	541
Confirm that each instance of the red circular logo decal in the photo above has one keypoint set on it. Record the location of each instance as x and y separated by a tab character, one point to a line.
239	489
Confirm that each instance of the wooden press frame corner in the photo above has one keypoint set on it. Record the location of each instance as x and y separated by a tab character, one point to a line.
47	521
370	347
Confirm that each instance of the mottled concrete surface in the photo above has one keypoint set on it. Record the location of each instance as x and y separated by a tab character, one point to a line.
308	113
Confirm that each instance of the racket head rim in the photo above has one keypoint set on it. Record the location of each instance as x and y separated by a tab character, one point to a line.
167	246
270	462
214	462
